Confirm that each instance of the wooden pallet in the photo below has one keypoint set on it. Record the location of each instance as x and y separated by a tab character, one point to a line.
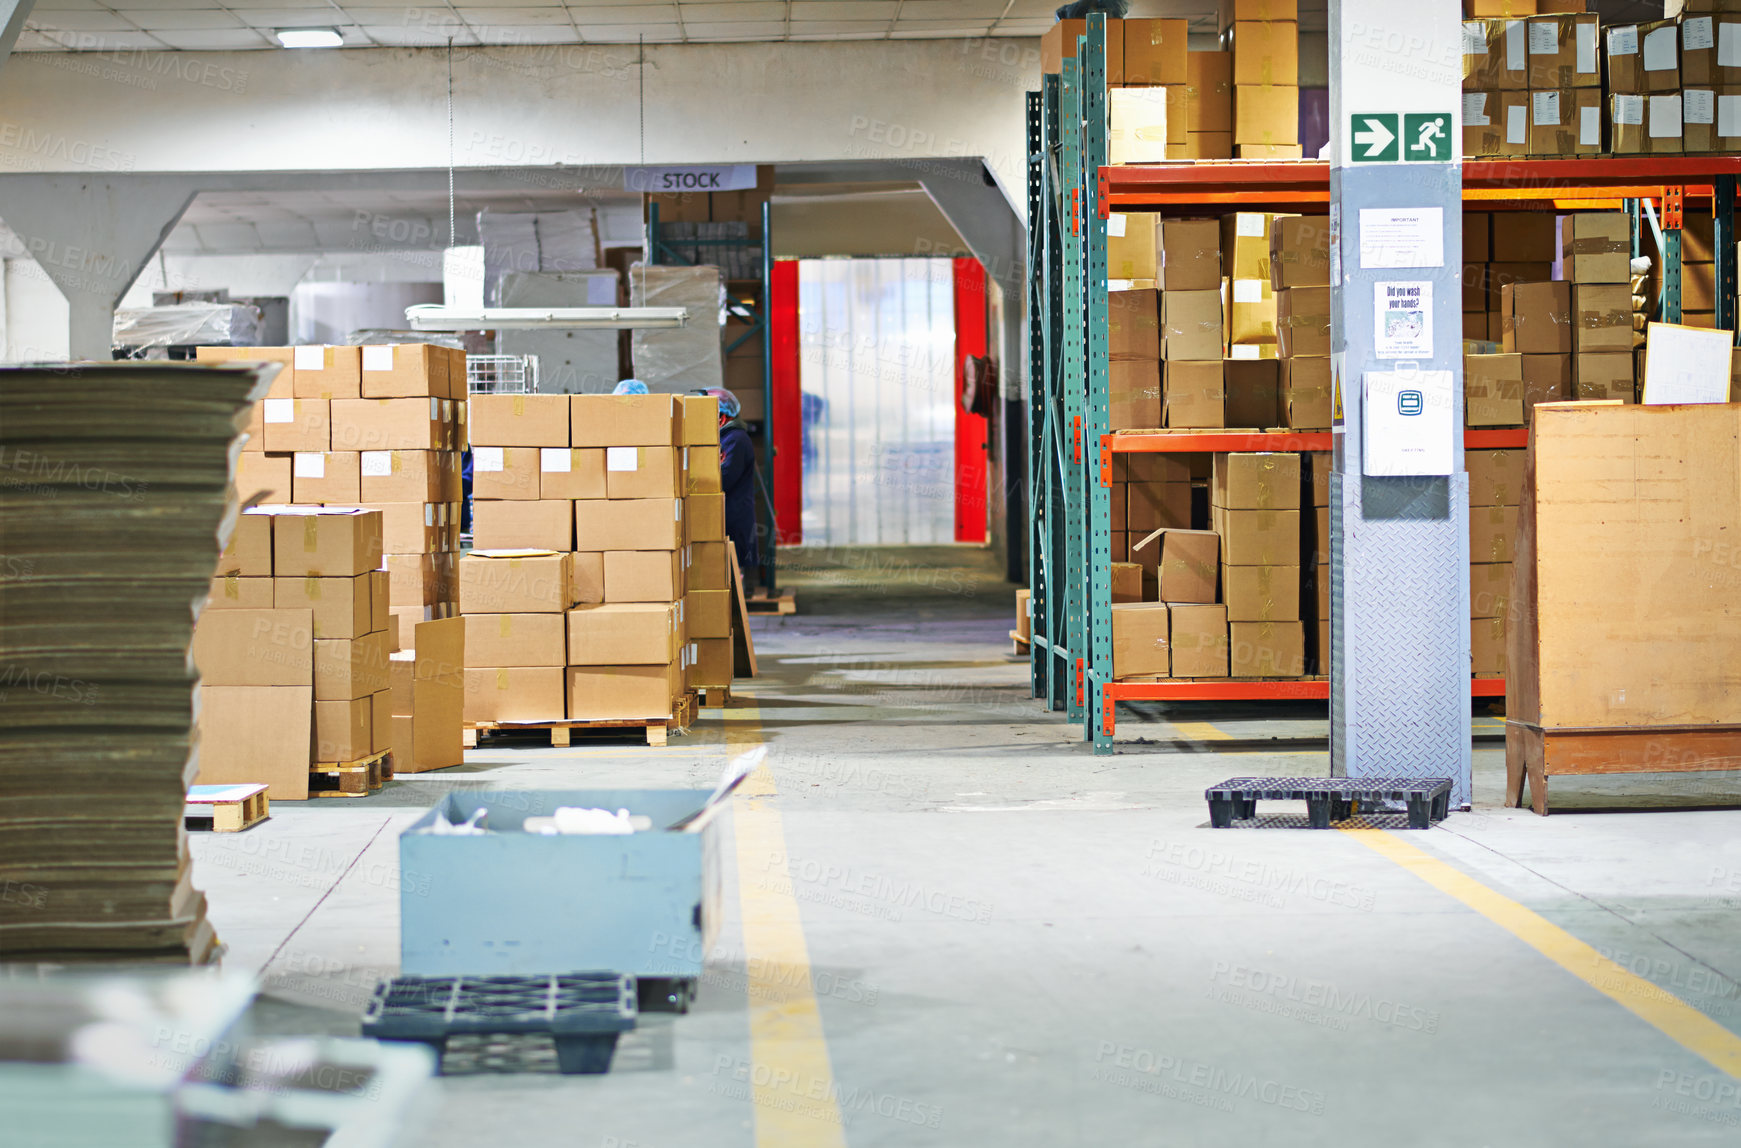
562	731
786	602
350	778
229	808
1021	646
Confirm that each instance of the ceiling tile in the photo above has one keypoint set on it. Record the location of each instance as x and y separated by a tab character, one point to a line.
102	41
507	17
79	21
402	17
508	34
159	5
623	14
713	13
289	17
213	39
739	29
151	21
796	35
823	27
36	42
417	35
63	5
627	33
961	11
844	10
903	32
945	27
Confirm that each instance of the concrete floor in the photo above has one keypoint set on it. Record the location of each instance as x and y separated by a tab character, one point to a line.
1015	942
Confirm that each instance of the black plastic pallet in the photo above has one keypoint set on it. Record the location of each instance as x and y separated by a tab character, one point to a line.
1329	798
582	1012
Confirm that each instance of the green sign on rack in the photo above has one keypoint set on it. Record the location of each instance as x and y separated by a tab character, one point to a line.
1375	136
1399	137
1426	137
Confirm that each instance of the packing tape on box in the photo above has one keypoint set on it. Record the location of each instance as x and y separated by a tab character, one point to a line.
1601	320
311	587
310	534
501	679
519	406
233	587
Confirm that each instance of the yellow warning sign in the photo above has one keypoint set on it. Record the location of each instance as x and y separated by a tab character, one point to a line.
1336	398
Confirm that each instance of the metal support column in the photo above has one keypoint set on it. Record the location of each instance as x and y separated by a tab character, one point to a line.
1723	240
1097	503
1399	554
1072	331
1673	209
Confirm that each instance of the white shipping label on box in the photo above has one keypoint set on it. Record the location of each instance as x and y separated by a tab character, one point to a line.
1729	45
1115	226
1544	38
1629	109
1665	117
1544	109
1409	428
1686	365
1586	48
1245	351
487	459
555	460
1402	320
378	358
1514	46
1249	223
1624	41
1659	50
1402	237
279	410
622	458
377	463
1589	127
1474	38
1699	106
1516	124
310	358
1696	33
1729	115
1475	110
1248	290
308	464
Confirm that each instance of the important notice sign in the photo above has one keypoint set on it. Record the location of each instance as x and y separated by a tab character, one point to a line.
670	180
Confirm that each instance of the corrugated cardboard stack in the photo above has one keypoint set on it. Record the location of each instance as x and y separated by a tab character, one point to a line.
1644	109
1206	104
1500	248
426	696
1496	103
1133	369
1596	258
1255	507
1538	324
1150	491
1251	307
525	475
1315	556
1300	273
1564	68
514	605
1264	39
1495	489
1192	324
1710	74
1175	627
708	598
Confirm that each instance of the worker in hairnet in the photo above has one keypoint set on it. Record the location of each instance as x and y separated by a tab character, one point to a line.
737	474
630	387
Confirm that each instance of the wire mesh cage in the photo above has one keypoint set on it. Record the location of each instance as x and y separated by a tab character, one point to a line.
501	374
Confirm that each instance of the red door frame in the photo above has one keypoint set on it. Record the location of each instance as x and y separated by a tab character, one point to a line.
970	429
786	413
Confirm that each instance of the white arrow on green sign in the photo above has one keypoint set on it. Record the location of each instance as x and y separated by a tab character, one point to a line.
1375	136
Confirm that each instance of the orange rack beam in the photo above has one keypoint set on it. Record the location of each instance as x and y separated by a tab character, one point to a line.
1213	690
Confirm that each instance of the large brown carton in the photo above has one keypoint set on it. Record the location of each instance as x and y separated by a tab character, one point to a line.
705	517
426	725
1251	313
1257	537
623	693
340	607
1133	324
330	477
1253	390
513	582
1644	58
328	372
296	424
234	592
1299	248
1493	390
515	693
544	524
1710	122
1151	466
1564	51
701	473
412	527
707	566
257	734
249	550
698	420
519	420
1645	125
1152	506
707	613
1525	237
507	472
567	472
1133	394
1191	325
1305	392
1140	640
1209	95
1604	375
1492	531
1154	51
1477	236
643	472
713	664
1489	589
346	668
1601	317
1261	593
1495	477
1537	318
516	639
405	371
405	475
1565	122
1710	49
1303	321
1190	255
1059	41
1265	52
1267	649
1195	394
262	477
1255	481
1487	647
624	420
344	730
283	384
1320	463
254	648
1596	247
325	542
1199	641
1546	379
631	523
643	575
633	633
1131	245
1496	123
1189	561
1266	114
390	424
1245	244
1136	125
1495	55
1127	582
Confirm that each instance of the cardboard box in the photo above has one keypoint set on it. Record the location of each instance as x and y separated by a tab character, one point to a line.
1477	236
1564	51
515	693
249	549
1604	375
1319	552
1257	537
1602	317
712	661
405	475
707	613
1497	275
1245	243
586	577
1710	122
1154	51
390	424
1261	593
327	372
698	420
1265	52
428	735
346	668
1255	481
1306	399
1133	391
1492	533
624	420
1526	237
513	582
296	424
1140	634
263	477
1487	647
507	472
701	474
1253	392
643	575
1251	313
1495	477
1710	49
1059	41
1190	255
1198	641
343	730
1299	248
1489	589
1151	466
1191	325
1131	245
1266	114
643	471
1644	58
1496	123
1546	379
1537	318
516	639
566	472
602	693
1151	506
1178	113
706	517
413	527
634	523
1645	125
1127	582
1495	55
1133	325
235	592
1508	8
544	524
254	647
1596	247
1187	563
325	477
1493	390
1303	321
1195	394
380	600
1209	94
1136	125
1475	327
519	420
1267	649
331	542
406	371
256	734
1565	122
339	607
1207	145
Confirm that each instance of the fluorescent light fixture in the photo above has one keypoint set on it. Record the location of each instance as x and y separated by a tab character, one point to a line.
309	37
430	317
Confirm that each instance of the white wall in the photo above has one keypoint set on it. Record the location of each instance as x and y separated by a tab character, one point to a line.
558	104
36	314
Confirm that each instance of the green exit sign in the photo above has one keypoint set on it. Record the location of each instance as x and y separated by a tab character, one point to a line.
1401	137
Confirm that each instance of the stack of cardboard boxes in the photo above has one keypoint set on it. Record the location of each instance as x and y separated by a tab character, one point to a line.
1315	556
293	649
1164	102
1192	324
1501	248
1178	629
1150	492
1251	304
1264	39
1495	489
1206	104
1596	259
1255	507
1133	370
1300	273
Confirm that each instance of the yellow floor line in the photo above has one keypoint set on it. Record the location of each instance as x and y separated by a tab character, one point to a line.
791	1078
1201	731
1678	1020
